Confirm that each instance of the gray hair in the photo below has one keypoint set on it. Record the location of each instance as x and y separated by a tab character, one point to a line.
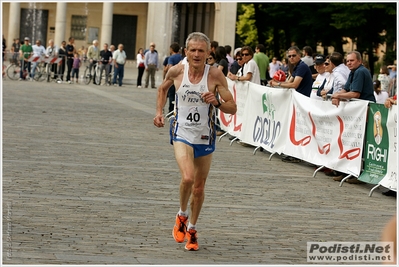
358	55
198	36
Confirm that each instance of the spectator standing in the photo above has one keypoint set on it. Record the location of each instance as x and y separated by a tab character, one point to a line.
262	61
274	66
119	59
25	52
112	50
62	53
151	66
250	70
174	59
106	59
52	52
38	51
140	66
321	78
301	79
93	55
221	60
284	67
379	94
15	50
327	86
230	60
340	70
392	71
307	55
236	64
214	45
211	59
359	84
76	66
70	50
384	79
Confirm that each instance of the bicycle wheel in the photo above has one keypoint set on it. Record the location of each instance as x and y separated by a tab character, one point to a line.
43	74
13	71
38	73
87	75
98	75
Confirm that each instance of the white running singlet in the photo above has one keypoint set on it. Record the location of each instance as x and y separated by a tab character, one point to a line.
194	119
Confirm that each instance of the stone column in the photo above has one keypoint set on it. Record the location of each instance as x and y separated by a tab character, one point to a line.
159	27
106	26
225	23
60	24
14	24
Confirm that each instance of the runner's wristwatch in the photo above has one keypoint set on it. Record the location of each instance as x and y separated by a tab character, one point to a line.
219	104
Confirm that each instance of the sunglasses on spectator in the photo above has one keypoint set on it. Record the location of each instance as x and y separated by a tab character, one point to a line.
290	56
239	58
326	63
244	55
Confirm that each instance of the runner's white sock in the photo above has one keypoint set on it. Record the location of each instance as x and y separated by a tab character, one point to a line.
190	226
183	213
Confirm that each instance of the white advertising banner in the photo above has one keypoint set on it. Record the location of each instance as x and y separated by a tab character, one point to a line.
391	179
266	116
324	134
284	121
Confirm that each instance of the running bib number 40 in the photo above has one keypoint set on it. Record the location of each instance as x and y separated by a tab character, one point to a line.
193	117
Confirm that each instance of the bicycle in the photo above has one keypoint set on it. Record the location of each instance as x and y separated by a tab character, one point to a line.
45	72
13	69
89	75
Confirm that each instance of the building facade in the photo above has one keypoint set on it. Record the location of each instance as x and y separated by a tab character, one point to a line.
134	24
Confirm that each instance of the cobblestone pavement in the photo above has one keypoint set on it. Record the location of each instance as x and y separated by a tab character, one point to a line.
88	179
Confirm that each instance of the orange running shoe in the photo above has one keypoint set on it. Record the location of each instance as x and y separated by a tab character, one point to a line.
192	243
180	228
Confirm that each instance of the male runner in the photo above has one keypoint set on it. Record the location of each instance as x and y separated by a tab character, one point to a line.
193	131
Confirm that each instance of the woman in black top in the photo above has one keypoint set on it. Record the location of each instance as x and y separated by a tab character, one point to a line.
221	59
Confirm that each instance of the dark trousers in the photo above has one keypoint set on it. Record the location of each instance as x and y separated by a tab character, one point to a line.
140	77
91	65
24	65
69	65
171	96
118	72
61	70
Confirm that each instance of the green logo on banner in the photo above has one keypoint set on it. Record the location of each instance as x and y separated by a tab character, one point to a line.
377	145
268	107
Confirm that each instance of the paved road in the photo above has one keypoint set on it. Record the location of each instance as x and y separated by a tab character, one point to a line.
88	179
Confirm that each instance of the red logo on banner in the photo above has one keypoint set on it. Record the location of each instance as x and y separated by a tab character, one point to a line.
225	121
354	151
304	141
326	148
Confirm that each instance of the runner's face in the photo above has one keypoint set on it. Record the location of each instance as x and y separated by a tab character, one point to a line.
197	53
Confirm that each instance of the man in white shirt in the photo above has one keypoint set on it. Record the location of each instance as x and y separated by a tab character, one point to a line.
119	59
340	71
38	51
52	52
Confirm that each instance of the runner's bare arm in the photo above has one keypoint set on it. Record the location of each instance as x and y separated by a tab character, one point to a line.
159	119
219	83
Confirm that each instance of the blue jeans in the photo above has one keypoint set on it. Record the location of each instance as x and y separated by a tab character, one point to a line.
33	69
118	71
